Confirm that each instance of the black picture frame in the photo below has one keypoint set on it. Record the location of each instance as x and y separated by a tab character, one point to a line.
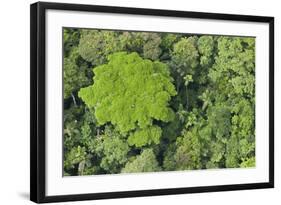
38	101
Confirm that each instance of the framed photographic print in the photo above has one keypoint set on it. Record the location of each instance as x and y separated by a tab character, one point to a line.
129	102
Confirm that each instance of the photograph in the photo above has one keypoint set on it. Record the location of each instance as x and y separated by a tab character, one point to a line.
139	101
133	102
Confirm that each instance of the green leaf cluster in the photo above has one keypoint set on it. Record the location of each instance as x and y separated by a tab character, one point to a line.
130	92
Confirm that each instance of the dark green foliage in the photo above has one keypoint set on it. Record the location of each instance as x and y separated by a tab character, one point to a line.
95	46
151	48
185	154
145	162
185	56
71	40
112	150
146	44
206	46
75	73
146	102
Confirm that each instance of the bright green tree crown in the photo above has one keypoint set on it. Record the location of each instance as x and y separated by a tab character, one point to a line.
130	92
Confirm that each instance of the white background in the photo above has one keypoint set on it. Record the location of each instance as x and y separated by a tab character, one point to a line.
14	101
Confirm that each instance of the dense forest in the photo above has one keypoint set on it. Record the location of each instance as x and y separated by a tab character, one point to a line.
147	102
